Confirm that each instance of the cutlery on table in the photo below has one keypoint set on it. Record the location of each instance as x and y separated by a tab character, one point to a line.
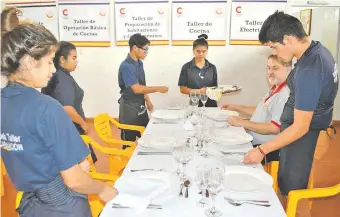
137	170
233	153
186	184
150	206
252	202
153	153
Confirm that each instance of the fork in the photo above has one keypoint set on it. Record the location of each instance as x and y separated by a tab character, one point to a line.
137	170
239	203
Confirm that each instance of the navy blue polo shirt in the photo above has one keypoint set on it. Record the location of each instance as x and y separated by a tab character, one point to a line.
130	71
195	78
313	87
38	139
66	90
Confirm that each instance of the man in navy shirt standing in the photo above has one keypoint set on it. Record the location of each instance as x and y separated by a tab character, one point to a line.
313	85
134	100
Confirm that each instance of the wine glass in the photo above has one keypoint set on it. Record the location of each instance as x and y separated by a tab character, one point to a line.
184	151
204	99
215	180
201	178
194	97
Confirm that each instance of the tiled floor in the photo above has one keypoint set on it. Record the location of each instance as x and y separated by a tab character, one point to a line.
327	173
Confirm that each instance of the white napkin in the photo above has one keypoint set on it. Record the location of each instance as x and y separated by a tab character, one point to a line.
214	94
136	190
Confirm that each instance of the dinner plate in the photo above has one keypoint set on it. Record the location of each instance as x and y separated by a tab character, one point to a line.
231	138
220	115
156	142
243	179
168	114
230	88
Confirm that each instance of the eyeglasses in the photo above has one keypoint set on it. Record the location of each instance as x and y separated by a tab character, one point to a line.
146	49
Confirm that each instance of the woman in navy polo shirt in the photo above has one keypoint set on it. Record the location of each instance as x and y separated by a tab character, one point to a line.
66	90
199	73
40	146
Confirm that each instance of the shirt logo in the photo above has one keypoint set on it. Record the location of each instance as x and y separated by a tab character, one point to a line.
10	142
335	73
143	110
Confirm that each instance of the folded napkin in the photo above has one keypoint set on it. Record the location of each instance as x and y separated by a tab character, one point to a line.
136	190
214	93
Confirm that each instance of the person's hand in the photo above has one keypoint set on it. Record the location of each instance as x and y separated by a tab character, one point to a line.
163	89
228	107
236	121
203	90
149	105
85	128
254	156
85	165
108	193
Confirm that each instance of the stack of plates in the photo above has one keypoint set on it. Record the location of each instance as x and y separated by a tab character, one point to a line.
168	115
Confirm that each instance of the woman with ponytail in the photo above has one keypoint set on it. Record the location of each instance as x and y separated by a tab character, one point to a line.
199	73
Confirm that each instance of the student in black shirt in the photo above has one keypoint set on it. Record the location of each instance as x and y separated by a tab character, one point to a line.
313	85
199	73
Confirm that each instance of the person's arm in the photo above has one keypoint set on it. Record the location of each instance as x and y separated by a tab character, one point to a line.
68	150
131	80
79	181
148	102
141	89
65	94
261	128
306	100
75	117
183	82
244	110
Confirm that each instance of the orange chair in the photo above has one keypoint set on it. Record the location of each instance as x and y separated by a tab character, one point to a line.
102	124
296	195
117	158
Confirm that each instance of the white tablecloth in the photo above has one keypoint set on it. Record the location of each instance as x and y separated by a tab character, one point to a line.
175	205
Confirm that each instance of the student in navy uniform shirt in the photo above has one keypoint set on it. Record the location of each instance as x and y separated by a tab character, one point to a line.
64	88
313	85
134	100
199	73
40	146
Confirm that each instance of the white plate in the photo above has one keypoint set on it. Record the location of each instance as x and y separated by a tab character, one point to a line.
168	114
230	88
160	178
220	115
243	179
228	138
156	142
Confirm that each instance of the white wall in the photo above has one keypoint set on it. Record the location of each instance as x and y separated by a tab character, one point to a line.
98	68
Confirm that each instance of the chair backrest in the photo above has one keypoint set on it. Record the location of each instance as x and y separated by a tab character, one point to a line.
102	125
87	140
3	173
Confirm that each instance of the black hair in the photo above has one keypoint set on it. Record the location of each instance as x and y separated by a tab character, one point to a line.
279	24
138	40
201	41
9	19
63	50
27	39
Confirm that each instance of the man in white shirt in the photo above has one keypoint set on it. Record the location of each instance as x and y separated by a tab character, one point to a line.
264	123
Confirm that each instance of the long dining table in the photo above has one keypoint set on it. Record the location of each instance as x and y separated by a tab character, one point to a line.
179	206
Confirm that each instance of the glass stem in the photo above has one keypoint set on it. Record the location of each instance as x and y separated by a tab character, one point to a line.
213	198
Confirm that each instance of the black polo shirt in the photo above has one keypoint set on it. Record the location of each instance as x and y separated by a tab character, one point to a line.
313	87
66	91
